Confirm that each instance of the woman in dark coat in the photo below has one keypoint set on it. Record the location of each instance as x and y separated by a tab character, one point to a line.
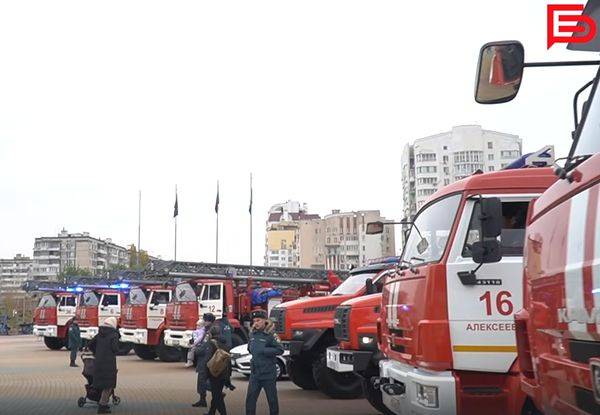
217	383
105	346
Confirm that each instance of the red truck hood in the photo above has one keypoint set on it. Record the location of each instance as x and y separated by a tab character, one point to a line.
134	316
363	319
45	316
181	316
87	316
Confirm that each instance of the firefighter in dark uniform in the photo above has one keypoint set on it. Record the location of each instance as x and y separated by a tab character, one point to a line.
264	347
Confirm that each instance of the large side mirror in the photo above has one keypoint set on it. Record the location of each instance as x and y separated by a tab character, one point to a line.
369	287
486	252
374	228
491	217
499	72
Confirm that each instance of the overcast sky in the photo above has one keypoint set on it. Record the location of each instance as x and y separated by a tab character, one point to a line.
316	98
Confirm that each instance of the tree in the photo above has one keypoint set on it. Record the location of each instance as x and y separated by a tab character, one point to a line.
133	258
75	271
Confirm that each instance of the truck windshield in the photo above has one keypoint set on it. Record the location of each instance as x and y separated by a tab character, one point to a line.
90	299
352	284
433	224
184	292
136	296
588	142
47	301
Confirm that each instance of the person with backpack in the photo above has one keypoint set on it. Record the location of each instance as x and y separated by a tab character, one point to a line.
202	354
75	341
264	347
219	371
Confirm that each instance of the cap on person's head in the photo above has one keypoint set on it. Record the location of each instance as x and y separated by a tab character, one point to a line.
259	314
110	322
215	331
200	323
209	317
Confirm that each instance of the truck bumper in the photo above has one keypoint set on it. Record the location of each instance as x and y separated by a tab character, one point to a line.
178	338
136	336
88	333
45	331
293	346
348	360
399	384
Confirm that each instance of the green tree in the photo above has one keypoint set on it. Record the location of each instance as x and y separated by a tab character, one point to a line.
70	270
133	253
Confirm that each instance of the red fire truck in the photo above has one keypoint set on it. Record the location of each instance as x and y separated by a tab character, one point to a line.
233	290
446	324
143	321
558	340
306	328
96	305
53	316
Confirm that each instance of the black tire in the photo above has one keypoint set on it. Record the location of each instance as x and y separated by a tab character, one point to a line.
300	373
236	340
280	369
144	352
166	353
334	384
54	343
374	397
124	348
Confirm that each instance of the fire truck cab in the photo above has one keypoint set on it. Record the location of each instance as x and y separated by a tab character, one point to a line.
53	316
143	320
446	323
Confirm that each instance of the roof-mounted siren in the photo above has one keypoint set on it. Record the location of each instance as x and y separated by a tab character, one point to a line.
544	157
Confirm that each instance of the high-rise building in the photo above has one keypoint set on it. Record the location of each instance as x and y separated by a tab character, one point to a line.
52	255
13	273
338	241
433	162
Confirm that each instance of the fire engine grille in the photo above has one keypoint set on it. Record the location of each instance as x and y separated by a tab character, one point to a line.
278	317
341	323
321	309
581	351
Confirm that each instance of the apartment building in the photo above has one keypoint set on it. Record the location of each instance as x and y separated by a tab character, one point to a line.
337	241
13	273
51	255
433	162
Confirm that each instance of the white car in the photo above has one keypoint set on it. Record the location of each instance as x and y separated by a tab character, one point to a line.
240	361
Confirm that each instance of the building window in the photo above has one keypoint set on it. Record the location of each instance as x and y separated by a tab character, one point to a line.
490	145
504	165
490	168
445	159
427	169
509	154
446	182
445	147
446	170
425	157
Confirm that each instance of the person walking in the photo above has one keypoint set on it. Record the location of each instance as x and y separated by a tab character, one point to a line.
105	346
264	347
202	354
218	381
74	340
226	331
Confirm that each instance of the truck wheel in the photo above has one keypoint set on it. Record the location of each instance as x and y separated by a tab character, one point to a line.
374	397
280	369
236	340
300	373
334	384
54	343
166	353
124	348
144	352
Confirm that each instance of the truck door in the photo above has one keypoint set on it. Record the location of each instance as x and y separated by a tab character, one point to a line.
211	299
110	306
482	329
157	306
66	309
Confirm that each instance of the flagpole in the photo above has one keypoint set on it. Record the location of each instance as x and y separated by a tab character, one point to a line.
175	215
250	218
139	227
217	230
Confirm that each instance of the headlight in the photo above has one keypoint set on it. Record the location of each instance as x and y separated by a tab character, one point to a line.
427	396
366	340
298	334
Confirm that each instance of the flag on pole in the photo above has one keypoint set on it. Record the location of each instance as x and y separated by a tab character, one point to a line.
250	208
217	201
176	208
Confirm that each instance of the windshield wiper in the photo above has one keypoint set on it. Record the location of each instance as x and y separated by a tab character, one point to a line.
417	259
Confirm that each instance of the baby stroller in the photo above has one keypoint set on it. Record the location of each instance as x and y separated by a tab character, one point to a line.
91	394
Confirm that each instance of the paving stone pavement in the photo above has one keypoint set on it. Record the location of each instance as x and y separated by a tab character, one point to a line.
35	380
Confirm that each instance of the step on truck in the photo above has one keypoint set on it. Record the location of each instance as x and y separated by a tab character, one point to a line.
98	304
143	321
558	338
446	325
355	329
53	316
306	328
234	290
